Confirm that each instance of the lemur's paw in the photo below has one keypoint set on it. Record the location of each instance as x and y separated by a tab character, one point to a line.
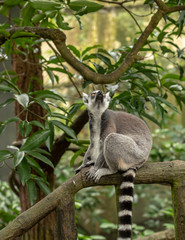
90	173
97	176
77	170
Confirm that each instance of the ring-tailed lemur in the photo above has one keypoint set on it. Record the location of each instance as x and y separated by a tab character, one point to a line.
120	142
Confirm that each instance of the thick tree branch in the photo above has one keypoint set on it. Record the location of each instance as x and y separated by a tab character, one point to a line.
168	234
58	37
163	173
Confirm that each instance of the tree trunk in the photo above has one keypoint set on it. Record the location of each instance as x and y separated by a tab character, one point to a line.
30	78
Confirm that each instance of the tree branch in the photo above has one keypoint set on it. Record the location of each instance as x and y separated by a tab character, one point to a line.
163	173
168	234
58	37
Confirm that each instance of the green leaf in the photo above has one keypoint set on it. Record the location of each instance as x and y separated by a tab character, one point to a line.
70	132
45	5
37	123
4	32
32	191
18	157
36	18
90	6
13	86
151	118
5	154
43	186
106	60
35	140
5	123
22	99
40	157
26	14
11	3
74	50
167	103
13	119
48	94
58	115
51	76
74	109
25	128
90	48
78	153
172	76
34	164
166	50
24	171
50	140
21	33
43	151
5	88
161	36
61	24
43	104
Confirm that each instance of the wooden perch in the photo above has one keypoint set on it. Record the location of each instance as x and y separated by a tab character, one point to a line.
168	234
171	173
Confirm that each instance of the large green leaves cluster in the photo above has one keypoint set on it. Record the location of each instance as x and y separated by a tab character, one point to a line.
37	145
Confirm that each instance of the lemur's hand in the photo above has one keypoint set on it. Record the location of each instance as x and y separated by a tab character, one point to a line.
90	173
90	163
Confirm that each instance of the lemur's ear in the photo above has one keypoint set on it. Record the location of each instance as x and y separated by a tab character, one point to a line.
85	98
108	96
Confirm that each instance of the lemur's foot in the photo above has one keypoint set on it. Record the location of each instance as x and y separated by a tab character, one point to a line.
97	176
90	173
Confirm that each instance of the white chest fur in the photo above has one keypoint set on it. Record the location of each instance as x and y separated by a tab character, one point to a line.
95	138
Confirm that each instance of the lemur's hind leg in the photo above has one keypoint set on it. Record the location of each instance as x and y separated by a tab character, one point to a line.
102	172
121	152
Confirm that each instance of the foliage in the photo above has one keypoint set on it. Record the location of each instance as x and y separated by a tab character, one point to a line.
168	144
143	90
9	204
158	212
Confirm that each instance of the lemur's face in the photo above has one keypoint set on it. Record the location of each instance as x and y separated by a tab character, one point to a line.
97	101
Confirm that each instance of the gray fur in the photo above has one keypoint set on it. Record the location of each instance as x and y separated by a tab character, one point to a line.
118	140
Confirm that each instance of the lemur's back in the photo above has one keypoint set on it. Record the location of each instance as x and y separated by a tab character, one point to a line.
127	124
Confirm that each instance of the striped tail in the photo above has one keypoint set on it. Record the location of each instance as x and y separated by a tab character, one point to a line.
125	208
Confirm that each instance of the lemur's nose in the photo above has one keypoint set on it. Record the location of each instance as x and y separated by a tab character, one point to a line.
100	93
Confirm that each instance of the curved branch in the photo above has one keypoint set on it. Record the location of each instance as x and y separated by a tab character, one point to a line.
58	37
163	173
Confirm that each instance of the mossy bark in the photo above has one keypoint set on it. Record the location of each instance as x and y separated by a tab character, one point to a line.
178	199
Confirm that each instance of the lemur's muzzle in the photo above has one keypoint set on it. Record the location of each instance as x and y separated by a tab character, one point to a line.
99	96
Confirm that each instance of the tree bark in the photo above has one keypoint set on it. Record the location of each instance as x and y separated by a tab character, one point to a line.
30	78
161	173
168	234
178	199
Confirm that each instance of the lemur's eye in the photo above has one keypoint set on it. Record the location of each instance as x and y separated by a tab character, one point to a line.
92	94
